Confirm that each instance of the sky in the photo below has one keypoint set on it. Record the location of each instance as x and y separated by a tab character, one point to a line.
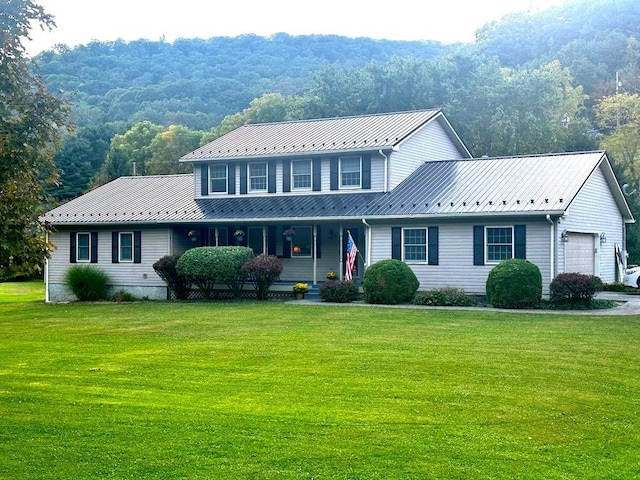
449	21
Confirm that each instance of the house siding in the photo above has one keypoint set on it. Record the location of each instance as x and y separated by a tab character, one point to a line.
429	144
140	279
592	211
456	268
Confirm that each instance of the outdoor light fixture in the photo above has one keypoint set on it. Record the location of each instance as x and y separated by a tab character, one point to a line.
603	237
564	236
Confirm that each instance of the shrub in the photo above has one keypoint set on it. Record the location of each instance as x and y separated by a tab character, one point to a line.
263	270
389	282
123	296
229	266
444	297
614	287
165	267
338	291
87	283
514	283
574	289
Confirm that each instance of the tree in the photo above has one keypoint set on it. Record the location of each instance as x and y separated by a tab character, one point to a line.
168	146
30	122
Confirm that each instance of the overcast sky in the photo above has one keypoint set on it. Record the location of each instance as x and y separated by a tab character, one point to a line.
80	22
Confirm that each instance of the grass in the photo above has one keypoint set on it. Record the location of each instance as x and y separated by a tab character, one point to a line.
249	390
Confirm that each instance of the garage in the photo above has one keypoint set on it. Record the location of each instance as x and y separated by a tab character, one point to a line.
580	253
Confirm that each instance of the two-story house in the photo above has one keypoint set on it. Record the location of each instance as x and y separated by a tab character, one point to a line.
403	184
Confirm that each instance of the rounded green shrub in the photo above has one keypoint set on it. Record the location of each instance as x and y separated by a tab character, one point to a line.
389	282
87	283
165	267
338	291
514	283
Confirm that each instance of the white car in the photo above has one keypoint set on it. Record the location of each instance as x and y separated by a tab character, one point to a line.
632	276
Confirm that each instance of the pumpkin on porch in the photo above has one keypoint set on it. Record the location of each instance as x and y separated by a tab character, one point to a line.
297	249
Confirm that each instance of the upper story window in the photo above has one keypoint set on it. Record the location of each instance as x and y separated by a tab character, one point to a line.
301	174
415	245
217	179
350	172
499	244
257	177
83	247
126	247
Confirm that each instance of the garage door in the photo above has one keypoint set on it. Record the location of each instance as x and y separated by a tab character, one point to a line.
580	253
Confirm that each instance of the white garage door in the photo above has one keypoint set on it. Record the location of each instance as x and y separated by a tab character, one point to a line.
580	253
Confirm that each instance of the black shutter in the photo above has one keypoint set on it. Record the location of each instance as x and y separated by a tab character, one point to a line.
204	179
333	173
243	178
366	172
520	241
286	245
114	247
137	247
271	176
317	174
72	247
433	246
271	240
94	247
231	238
231	178
396	243
286	175
318	241
478	245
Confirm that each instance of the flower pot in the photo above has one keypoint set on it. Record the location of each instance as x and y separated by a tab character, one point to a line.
239	238
299	295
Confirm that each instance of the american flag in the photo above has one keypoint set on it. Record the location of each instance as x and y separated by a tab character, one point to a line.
352	251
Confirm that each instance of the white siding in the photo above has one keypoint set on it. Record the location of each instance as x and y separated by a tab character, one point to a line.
595	211
429	144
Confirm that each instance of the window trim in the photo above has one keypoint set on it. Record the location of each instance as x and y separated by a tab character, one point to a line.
133	242
78	259
349	187
266	178
426	246
293	183
293	242
226	180
488	261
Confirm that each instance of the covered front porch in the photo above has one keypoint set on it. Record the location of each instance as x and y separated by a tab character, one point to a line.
308	250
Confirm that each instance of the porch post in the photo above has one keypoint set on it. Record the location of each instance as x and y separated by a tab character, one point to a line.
341	254
264	240
315	254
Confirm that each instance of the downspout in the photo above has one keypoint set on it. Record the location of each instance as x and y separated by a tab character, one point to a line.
46	273
552	249
368	242
386	174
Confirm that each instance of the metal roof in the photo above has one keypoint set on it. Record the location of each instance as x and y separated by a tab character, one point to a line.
363	132
502	185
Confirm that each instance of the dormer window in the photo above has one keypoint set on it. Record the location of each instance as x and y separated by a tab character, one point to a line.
217	179
350	172
258	177
301	174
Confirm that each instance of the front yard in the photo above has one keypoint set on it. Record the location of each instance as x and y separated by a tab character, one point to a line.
271	390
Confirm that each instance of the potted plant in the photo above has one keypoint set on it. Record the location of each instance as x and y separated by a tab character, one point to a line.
239	234
193	235
289	233
331	275
300	289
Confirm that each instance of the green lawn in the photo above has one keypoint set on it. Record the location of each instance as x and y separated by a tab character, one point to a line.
253	390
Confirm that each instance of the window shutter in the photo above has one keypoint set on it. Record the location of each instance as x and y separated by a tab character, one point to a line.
396	243
366	172
271	240
204	179
520	241
243	178
231	178
72	247
231	238
318	241
286	175
433	246
114	247
333	173
317	174
137	247
478	245
286	245
271	176
94	247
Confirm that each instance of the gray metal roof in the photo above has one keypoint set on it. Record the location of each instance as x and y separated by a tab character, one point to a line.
504	185
544	184
364	132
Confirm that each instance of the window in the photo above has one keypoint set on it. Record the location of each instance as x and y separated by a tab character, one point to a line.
301	174
126	247
83	247
255	241
218	237
415	245
350	172
302	243
257	177
499	244
217	179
